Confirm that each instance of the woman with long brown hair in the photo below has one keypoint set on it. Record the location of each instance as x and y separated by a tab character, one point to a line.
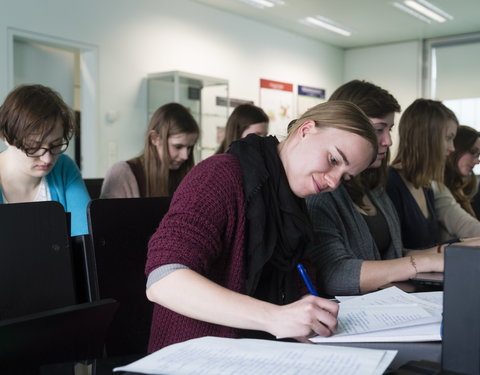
427	129
452	201
244	120
167	157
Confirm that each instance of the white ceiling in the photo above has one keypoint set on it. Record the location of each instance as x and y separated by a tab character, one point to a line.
372	21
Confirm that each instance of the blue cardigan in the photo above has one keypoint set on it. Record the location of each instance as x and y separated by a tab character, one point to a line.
67	187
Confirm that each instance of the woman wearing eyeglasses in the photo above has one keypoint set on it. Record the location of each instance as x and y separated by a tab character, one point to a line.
452	201
36	126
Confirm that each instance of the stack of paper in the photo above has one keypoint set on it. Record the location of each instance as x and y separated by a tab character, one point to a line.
389	315
215	355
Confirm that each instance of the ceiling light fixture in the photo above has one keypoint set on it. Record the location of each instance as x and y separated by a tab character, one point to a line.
325	23
423	10
411	12
263	3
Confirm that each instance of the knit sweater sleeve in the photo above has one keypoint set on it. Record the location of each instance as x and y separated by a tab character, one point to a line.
202	220
341	243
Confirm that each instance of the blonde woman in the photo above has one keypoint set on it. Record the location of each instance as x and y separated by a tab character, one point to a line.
223	260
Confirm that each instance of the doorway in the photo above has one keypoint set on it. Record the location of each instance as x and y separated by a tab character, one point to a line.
70	69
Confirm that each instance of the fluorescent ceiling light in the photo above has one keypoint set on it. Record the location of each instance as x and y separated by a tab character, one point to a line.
411	12
263	3
435	9
325	24
423	10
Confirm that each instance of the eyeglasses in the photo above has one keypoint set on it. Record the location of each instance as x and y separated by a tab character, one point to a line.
35	152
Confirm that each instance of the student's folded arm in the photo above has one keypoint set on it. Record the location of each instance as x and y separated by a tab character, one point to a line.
376	273
189	293
429	250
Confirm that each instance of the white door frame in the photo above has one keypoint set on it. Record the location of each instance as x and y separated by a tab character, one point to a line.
88	89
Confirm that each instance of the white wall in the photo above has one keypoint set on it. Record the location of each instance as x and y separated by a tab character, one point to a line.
137	37
395	67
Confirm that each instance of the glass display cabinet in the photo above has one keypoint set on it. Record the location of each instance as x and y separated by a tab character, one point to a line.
206	97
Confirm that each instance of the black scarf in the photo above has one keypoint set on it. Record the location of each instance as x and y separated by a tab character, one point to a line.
278	226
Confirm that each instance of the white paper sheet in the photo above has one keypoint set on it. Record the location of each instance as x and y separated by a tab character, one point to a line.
435	298
394	296
420	333
432	297
389	315
214	355
353	320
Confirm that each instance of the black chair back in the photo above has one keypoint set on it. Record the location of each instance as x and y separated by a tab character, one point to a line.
120	229
35	259
43	318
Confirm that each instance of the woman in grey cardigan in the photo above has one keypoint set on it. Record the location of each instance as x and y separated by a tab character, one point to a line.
358	246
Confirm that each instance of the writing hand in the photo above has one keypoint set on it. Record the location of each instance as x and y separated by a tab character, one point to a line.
308	317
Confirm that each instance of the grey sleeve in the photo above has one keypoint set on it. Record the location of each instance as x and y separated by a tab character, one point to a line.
162	271
453	219
336	248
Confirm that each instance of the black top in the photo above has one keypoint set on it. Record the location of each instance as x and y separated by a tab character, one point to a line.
379	231
418	232
137	168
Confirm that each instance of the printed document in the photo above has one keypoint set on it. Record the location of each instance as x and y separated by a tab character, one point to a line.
389	315
222	356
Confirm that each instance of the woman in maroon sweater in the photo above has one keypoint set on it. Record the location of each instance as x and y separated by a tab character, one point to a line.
223	260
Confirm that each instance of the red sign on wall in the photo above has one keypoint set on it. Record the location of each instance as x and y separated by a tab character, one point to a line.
275	85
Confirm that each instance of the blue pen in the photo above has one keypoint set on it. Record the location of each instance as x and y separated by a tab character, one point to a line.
305	277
